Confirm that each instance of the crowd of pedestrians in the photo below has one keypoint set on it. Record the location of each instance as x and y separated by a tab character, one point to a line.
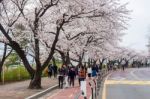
68	74
52	70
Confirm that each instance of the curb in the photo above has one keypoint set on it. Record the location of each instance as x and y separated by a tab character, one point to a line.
40	94
102	85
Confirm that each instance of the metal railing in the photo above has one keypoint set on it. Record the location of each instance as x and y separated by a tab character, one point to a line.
95	85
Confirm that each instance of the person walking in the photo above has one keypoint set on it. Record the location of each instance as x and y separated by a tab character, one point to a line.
72	75
66	76
50	71
123	65
82	75
61	74
89	71
55	71
94	73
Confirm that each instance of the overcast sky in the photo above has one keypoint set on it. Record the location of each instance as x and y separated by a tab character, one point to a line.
139	25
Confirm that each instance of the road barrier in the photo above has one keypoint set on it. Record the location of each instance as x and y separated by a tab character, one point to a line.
101	75
95	85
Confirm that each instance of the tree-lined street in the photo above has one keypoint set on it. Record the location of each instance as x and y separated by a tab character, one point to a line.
71	42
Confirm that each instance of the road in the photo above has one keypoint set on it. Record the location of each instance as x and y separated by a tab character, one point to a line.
128	84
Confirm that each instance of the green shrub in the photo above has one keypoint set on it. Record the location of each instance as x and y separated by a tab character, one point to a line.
16	74
19	73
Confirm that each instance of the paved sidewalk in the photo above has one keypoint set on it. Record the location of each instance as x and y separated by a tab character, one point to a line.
18	90
69	93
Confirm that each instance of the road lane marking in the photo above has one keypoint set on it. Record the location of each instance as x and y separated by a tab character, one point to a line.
132	73
127	82
118	78
122	81
104	88
104	92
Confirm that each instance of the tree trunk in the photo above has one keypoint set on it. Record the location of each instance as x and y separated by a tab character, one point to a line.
119	62
36	81
1	1
101	63
94	62
63	58
89	62
67	59
80	61
0	72
3	60
23	57
1	68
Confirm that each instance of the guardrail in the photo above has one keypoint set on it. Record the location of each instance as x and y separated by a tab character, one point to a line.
95	85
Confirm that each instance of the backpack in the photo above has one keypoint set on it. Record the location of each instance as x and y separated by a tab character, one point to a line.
82	74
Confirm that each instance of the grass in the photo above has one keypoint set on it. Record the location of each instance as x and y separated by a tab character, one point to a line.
16	74
19	73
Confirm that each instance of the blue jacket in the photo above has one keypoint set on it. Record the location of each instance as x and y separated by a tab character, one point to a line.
94	73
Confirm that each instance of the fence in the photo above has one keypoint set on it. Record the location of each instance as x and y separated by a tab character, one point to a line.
95	85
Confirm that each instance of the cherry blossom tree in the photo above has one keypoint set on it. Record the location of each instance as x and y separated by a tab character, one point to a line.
72	27
6	20
100	30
